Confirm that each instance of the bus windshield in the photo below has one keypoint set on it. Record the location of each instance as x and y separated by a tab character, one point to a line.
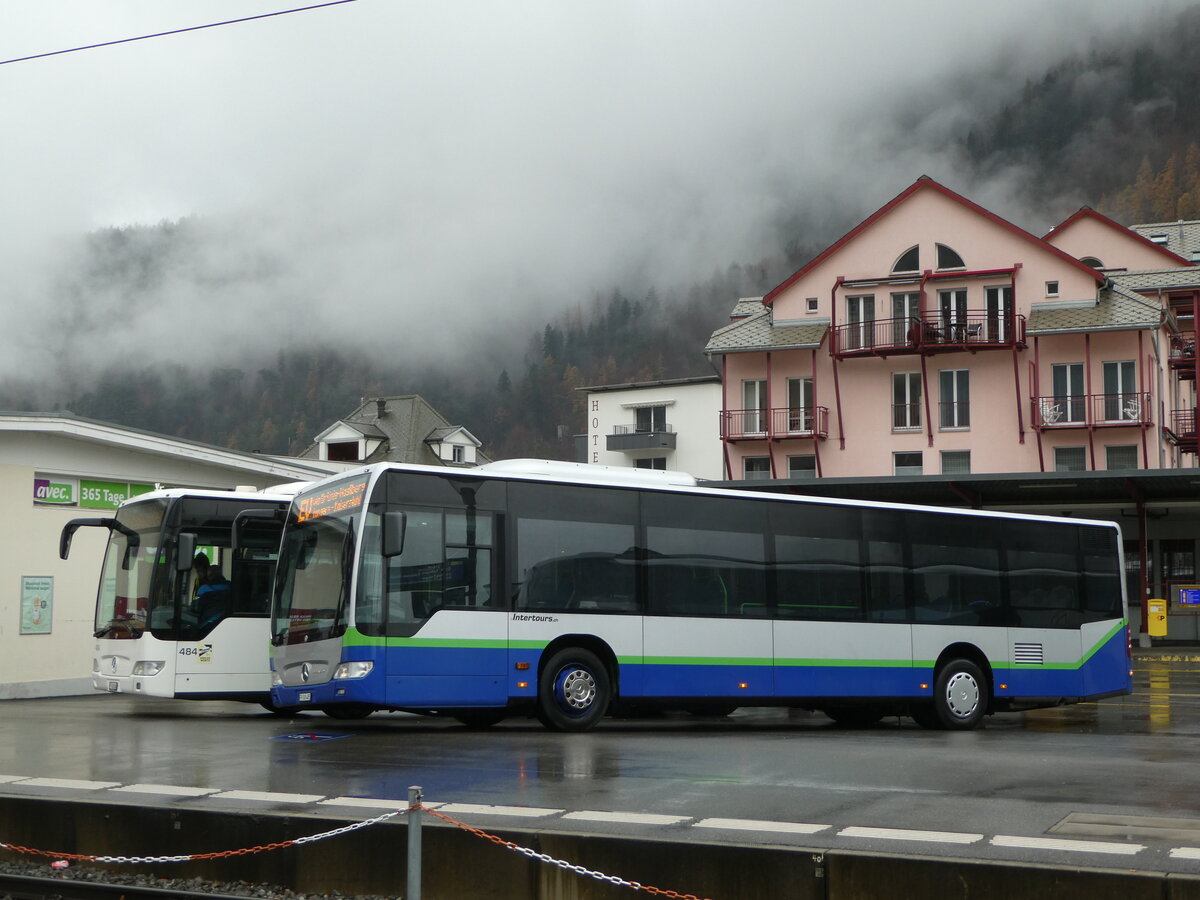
315	562
125	599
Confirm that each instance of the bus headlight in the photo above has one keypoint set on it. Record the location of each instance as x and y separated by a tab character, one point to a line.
148	667
276	680
357	669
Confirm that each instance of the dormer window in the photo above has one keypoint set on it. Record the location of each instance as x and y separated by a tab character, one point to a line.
342	451
948	258
1092	261
909	261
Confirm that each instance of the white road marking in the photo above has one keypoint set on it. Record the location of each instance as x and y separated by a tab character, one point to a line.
467	809
905	834
267	797
67	783
1034	843
5	779
367	803
759	825
1186	853
170	790
625	818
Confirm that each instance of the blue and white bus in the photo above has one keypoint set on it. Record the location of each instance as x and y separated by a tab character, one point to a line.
559	590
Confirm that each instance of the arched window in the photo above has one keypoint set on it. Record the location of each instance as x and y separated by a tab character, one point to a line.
948	258
1092	261
909	261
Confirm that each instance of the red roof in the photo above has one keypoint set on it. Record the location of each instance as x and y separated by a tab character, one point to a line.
921	184
1086	212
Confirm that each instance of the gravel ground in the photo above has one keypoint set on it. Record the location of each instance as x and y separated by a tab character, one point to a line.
78	872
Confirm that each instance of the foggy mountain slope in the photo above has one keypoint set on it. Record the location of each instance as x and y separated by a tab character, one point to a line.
256	327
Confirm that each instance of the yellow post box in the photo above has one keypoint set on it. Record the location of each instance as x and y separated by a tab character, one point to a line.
1156	618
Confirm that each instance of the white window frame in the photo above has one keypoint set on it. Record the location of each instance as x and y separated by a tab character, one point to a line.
954	412
908	386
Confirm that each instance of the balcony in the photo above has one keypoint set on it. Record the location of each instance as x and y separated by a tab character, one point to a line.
1182	429
1091	411
970	331
631	438
1183	356
775	424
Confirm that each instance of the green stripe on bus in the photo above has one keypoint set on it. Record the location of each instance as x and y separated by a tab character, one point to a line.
847	663
355	638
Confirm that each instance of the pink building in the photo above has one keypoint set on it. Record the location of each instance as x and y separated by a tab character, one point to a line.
937	338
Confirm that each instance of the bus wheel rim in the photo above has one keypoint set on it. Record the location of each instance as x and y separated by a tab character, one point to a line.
576	689
962	695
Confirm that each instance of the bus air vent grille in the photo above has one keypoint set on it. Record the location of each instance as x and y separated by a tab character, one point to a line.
1028	654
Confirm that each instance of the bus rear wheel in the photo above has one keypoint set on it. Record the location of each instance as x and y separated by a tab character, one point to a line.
960	695
574	690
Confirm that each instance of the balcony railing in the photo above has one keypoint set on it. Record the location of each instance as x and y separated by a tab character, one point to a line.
627	438
1182	429
972	330
1092	410
781	423
1183	355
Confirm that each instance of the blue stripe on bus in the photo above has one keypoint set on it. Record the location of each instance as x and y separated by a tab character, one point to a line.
463	676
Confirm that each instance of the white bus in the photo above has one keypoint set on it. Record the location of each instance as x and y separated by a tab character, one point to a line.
160	631
556	589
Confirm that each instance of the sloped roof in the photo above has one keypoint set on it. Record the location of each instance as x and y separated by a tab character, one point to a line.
402	429
1153	280
757	333
1086	212
746	306
925	183
79	428
1117	309
440	434
1183	236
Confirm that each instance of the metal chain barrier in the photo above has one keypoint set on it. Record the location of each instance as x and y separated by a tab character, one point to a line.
217	854
561	863
346	829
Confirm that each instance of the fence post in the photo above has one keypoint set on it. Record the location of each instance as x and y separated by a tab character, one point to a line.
414	843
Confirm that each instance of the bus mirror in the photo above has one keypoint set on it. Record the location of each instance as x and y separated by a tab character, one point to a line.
185	551
394	525
68	532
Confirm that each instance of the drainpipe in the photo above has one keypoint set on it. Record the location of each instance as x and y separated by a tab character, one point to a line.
1143	400
833	344
725	414
816	440
770	423
1087	392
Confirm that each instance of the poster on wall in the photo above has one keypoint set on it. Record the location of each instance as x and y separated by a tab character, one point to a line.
37	603
85	493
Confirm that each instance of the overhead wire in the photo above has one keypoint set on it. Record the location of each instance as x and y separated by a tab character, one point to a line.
145	37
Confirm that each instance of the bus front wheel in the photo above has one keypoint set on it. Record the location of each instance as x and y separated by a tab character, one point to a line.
960	695
574	690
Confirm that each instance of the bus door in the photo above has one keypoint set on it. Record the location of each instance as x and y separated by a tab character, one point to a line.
450	637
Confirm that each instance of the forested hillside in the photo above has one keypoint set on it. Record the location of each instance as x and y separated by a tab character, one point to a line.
1117	128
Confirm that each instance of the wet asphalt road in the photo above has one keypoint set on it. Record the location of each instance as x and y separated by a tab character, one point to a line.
1122	773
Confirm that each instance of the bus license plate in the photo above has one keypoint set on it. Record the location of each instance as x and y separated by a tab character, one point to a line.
306	696
114	687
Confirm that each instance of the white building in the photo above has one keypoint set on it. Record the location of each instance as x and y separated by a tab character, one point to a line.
671	424
55	467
